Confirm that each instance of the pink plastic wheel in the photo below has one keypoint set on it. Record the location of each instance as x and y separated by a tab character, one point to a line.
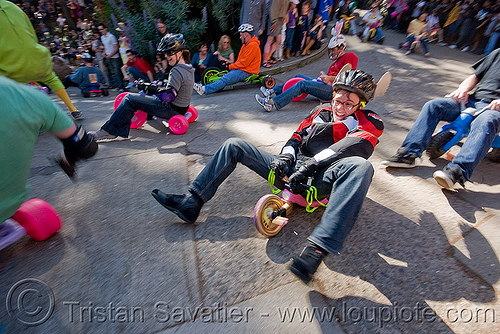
39	219
191	114
119	99
178	124
139	119
292	82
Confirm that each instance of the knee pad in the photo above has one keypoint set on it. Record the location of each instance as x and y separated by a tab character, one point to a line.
80	145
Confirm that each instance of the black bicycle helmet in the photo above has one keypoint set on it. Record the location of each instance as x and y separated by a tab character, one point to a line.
356	81
171	43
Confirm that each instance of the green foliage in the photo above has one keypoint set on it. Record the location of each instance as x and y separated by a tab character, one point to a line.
141	22
227	12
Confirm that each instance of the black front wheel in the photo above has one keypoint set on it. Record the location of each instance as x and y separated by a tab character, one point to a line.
210	74
435	148
268	82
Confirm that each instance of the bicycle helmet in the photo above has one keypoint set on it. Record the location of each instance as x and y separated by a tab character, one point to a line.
171	43
337	40
86	55
356	81
246	27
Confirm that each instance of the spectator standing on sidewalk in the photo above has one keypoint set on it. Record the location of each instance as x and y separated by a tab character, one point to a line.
112	59
277	14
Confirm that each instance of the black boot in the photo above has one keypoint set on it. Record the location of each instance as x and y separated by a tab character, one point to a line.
186	206
305	265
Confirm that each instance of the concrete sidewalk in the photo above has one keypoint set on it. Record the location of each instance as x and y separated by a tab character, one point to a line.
419	259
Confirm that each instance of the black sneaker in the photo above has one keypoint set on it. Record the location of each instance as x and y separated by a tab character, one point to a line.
494	155
447	177
401	159
187	207
305	265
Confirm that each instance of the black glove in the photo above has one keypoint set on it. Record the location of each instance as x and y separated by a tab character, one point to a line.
298	180
224	66
148	88
282	164
80	145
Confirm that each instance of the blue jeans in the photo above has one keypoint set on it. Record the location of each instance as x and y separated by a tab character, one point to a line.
345	182
482	132
315	88
290	32
115	75
119	123
229	78
492	42
423	41
137	74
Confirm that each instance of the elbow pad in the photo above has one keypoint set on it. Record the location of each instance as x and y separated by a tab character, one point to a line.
80	145
168	95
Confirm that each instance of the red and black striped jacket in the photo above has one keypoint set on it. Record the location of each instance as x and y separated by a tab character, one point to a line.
320	138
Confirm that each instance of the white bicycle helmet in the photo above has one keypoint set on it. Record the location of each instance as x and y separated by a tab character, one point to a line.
337	40
246	27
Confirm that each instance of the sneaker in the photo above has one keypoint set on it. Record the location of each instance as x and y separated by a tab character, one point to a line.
402	159
441	43
199	88
130	85
187	207
447	177
453	46
494	155
76	114
267	92
465	49
265	102
103	135
305	265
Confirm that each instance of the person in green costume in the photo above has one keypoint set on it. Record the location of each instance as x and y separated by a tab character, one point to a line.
22	58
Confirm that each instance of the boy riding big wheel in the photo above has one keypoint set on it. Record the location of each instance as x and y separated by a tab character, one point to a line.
331	146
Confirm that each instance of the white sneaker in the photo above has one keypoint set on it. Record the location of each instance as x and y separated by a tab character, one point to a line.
465	49
199	88
103	135
267	92
453	46
264	102
443	179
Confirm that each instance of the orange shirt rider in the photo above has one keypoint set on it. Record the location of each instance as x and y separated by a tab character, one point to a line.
249	58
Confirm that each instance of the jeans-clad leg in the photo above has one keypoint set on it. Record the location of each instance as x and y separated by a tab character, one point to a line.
420	134
222	164
482	133
229	78
134	72
346	183
315	88
279	89
119	123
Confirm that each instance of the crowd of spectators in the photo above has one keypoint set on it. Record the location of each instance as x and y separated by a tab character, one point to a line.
285	28
470	25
